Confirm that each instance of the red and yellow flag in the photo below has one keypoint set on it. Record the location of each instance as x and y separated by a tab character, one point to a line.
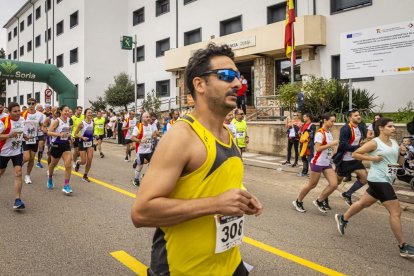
289	34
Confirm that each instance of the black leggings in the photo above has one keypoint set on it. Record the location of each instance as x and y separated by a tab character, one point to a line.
295	144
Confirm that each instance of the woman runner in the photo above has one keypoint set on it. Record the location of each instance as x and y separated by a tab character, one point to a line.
60	132
321	164
84	132
385	155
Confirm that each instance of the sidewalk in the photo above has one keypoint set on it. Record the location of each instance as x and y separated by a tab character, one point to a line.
404	192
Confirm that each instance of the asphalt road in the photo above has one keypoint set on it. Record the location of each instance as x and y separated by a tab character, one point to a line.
75	235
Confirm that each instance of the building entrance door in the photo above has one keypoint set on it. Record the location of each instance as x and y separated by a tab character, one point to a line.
246	69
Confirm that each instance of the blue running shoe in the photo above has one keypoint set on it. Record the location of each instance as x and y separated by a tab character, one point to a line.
18	204
50	184
67	190
39	165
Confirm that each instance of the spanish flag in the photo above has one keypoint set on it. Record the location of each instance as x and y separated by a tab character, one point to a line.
289	34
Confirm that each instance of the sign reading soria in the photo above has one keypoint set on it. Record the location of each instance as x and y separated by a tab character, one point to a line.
8	69
378	51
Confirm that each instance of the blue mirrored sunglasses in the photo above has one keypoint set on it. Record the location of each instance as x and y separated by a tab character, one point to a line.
227	75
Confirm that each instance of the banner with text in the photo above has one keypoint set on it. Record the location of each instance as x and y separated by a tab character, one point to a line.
378	51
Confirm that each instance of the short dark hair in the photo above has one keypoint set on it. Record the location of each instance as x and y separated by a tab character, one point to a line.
325	117
200	62
79	107
351	112
153	114
381	123
11	105
86	110
31	99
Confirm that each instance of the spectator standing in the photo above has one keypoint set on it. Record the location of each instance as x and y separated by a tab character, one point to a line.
241	94
293	126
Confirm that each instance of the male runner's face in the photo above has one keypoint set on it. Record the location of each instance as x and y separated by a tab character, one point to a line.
146	118
15	113
222	95
229	116
32	105
99	114
79	111
356	118
40	108
406	141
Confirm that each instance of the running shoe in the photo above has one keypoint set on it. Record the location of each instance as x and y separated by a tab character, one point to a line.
126	159
347	179
50	184
39	165
27	179
18	205
94	147
298	206
135	164
319	205
347	198
286	163
326	204
302	174
102	155
85	178
406	251
294	165
77	166
74	165
135	182
67	190
341	224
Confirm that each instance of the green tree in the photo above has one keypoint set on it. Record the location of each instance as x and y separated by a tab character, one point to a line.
99	104
288	94
121	93
2	81
319	94
152	102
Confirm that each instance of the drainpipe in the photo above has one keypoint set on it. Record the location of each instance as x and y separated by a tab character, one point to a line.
314	7
176	23
18	56
33	41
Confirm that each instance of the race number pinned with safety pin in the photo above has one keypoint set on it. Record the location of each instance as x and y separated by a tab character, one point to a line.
87	144
229	232
392	169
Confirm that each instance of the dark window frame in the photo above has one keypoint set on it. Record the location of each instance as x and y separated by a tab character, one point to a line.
38	12
9	36
9	57
21	99
158	51
22	26
37	97
29	20
48	34
21	51
71	53
336	70
138	16
71	17
159	4
159	84
15	31
29	46
141	91
186	2
227	21
188	34
60	61
334	6
48	5
38	41
14	54
140	51
58	1
60	28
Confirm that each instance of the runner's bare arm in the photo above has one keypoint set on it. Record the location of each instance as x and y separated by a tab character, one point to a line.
175	152
360	153
78	128
52	128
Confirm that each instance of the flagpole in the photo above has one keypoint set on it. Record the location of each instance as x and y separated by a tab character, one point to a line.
292	78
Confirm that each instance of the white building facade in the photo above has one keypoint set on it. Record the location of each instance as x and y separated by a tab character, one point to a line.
169	31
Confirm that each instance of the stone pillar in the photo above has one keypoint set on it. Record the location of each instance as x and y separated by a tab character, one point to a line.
264	74
182	88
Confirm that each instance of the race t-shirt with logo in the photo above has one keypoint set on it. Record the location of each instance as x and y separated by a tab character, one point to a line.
63	127
323	158
87	131
76	121
130	123
33	121
356	136
99	128
146	141
11	146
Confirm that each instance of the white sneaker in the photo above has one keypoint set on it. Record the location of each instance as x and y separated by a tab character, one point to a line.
27	179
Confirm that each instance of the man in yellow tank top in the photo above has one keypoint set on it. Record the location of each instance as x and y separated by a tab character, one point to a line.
99	131
193	191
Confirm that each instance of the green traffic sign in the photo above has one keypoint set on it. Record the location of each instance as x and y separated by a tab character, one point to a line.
126	43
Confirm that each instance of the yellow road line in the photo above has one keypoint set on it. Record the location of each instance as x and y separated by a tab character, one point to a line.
247	240
291	257
130	262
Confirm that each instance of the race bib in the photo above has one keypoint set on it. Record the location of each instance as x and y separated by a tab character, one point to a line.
87	144
392	169
330	153
229	232
101	126
239	134
31	141
147	143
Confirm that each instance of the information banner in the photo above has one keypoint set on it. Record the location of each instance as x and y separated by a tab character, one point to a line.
378	51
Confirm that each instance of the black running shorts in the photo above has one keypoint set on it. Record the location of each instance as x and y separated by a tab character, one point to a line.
345	168
383	191
31	147
76	142
59	148
41	138
145	156
17	160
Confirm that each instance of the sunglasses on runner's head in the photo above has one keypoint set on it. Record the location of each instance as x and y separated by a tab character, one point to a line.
227	75
31	103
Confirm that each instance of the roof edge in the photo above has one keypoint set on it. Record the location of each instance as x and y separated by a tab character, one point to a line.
24	8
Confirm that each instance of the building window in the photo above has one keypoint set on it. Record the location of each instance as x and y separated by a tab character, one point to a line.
192	37
230	26
29	46
38	13
141	91
345	5
58	1
22	51
9	81
29	20
49	61
15	99
336	70
163	88
74	19
8	101
162	6
48	5
15	32
9	36
37	42
138	16
22	26
21	99
276	13
73	56
48	34
37	97
59	28
162	46
15	54
188	1
9	56
59	61
140	54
